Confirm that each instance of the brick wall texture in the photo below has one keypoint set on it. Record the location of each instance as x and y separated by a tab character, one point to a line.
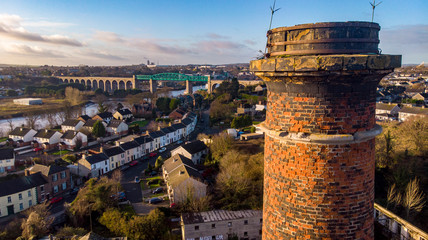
313	190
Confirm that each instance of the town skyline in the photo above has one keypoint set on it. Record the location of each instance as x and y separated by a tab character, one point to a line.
171	33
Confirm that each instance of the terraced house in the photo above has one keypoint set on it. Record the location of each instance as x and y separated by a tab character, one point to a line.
7	160
58	180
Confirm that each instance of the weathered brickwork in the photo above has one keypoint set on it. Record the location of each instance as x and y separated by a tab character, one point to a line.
318	191
340	111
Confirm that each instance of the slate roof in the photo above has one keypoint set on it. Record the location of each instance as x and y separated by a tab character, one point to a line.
21	184
96	158
128	145
47	170
194	147
19	131
113	151
414	110
167	130
124	111
105	115
114	123
45	133
6	153
143	139
89	123
383	106
156	134
69	134
70	122
85	117
219	215
175	161
178	126
181	174
186	121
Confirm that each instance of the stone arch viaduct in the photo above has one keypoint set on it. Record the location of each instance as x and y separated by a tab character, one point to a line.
109	84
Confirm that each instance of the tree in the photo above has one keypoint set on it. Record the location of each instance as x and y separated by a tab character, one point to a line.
98	130
37	222
253	129
414	198
11	93
220	145
393	196
73	95
52	119
114	221
70	232
98	91
416	130
173	104
10	122
162	104
159	162
31	120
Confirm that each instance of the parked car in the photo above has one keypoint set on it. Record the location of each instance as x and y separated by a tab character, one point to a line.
179	141
162	149
155	200
119	196
153	154
124	167
133	163
153	173
55	200
37	149
137	179
158	190
74	190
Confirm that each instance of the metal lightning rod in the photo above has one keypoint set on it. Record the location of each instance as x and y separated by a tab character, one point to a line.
374	5
272	10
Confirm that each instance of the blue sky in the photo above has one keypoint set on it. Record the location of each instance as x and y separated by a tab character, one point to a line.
60	32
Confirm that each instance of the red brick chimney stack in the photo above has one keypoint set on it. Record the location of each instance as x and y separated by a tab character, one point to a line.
320	129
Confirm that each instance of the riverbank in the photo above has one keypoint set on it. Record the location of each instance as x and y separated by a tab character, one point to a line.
50	105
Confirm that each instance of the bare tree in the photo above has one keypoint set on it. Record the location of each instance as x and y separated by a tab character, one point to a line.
393	197
73	95
31	121
37	222
10	122
52	119
414	198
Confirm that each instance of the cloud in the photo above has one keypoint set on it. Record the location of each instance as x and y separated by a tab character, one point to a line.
101	55
216	36
407	40
47	24
218	46
108	36
10	26
32	51
250	42
151	46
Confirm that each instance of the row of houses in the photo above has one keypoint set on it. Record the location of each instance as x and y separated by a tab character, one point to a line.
390	112
133	147
40	183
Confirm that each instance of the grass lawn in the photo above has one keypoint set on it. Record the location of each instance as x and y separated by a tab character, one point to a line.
139	123
156	184
256	122
3	139
60	152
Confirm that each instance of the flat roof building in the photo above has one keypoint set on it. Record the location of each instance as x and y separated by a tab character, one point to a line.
28	101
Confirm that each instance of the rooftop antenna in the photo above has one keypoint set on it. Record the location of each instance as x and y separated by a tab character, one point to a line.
272	10
374	5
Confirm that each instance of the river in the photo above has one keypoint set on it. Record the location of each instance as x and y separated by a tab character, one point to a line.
90	109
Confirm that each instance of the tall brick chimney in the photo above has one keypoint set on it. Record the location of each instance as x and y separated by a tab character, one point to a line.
320	129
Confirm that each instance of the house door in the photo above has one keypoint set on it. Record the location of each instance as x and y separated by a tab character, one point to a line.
10	210
116	164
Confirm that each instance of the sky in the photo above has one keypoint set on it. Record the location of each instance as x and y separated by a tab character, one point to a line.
125	32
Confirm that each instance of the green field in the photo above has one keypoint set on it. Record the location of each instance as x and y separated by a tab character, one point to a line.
62	152
139	123
3	139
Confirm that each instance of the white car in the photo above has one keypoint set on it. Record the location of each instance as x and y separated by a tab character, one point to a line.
162	149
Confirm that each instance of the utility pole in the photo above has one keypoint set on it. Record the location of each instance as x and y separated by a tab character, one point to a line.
374	5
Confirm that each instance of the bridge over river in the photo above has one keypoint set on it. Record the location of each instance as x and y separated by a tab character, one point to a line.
110	84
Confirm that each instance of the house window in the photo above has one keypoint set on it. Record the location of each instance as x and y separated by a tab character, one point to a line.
64	186
196	228
229	224
42	188
213	237
105	162
245	222
63	175
54	178
245	234
29	193
30	203
127	152
8	160
20	196
9	199
112	165
122	155
21	206
55	188
213	225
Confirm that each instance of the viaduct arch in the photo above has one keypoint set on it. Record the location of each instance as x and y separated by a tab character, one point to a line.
108	84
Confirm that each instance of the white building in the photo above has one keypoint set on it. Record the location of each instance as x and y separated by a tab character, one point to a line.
70	139
72	124
194	151
94	165
7	160
28	101
48	138
22	135
409	112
